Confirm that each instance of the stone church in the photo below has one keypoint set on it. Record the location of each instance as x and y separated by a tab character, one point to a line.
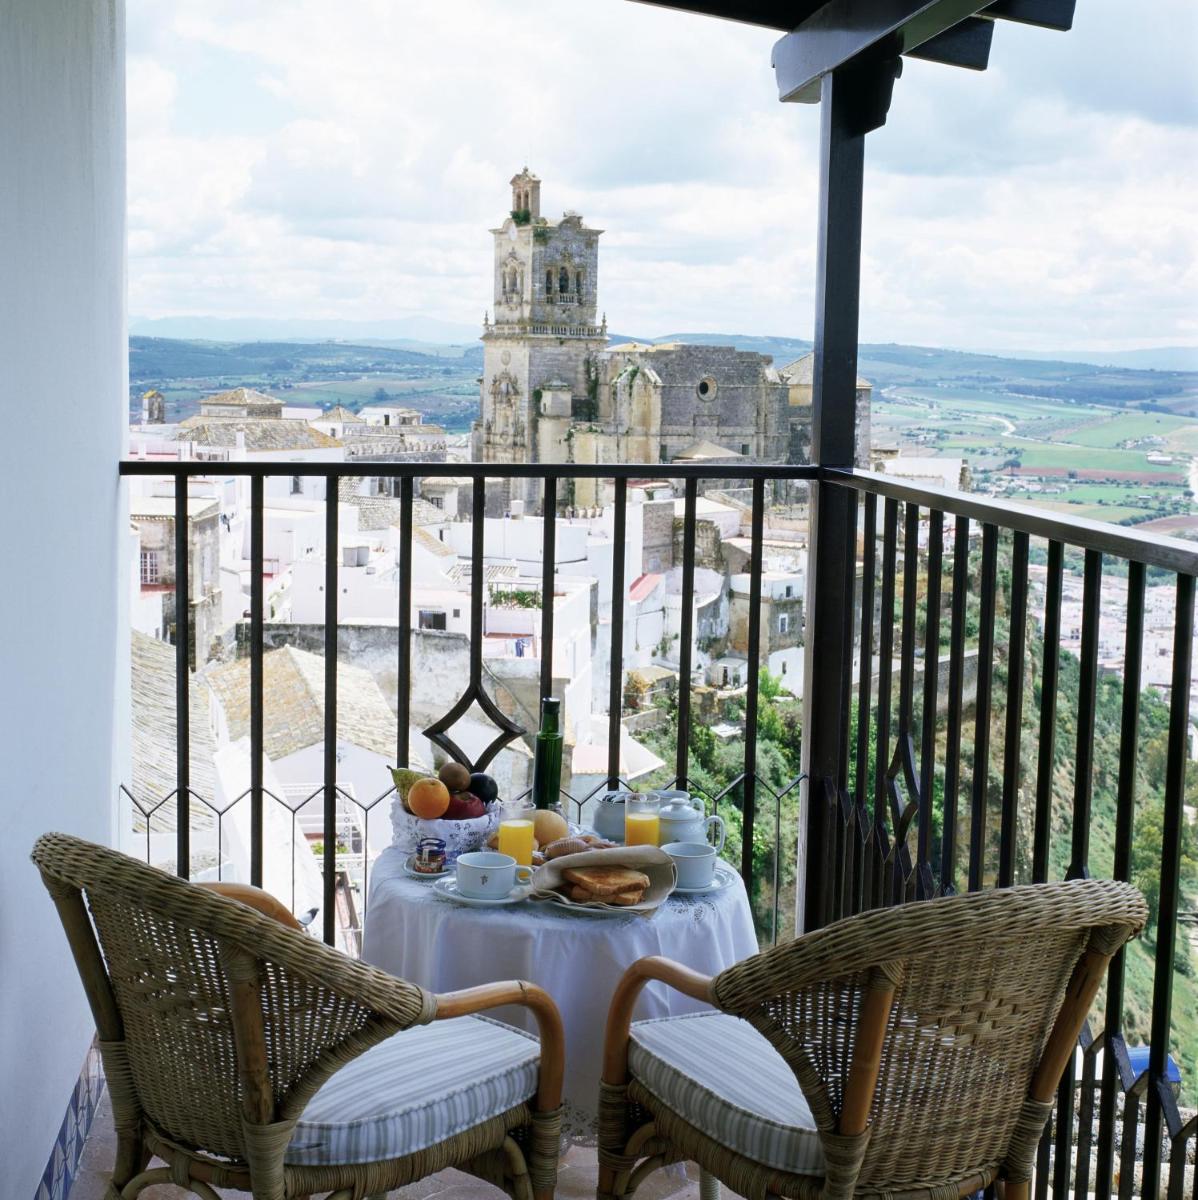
554	390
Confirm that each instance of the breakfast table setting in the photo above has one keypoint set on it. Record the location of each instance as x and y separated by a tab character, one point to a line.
512	890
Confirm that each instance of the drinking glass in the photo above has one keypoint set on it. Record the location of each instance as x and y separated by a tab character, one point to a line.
642	824
516	831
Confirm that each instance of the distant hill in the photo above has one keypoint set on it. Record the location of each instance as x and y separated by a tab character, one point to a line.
1161	358
189	368
284	329
895	365
160	360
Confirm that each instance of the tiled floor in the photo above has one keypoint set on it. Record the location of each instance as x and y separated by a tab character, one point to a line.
576	1179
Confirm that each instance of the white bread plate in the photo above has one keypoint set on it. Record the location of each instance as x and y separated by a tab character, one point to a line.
652	861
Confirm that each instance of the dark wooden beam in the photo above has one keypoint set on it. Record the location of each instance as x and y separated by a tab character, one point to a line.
966	45
770	14
1047	14
844	30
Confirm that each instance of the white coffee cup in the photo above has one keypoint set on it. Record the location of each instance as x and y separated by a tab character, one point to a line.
695	862
489	875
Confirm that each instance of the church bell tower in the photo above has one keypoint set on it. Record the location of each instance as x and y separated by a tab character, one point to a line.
544	333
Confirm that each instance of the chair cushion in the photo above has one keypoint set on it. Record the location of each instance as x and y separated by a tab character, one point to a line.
416	1089
720	1075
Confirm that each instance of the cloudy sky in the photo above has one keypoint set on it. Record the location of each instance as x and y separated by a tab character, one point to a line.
307	160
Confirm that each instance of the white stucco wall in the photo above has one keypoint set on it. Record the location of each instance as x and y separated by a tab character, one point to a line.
62	336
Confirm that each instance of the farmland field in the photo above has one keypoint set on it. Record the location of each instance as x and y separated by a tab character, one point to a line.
1091	460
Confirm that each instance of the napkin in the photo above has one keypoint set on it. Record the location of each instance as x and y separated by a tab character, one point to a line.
655	863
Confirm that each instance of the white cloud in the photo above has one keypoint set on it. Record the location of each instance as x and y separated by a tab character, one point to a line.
320	161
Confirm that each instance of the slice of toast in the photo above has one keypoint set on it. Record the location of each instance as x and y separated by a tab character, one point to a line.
606	881
622	899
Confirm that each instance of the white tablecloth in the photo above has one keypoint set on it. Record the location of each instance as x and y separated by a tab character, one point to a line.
415	934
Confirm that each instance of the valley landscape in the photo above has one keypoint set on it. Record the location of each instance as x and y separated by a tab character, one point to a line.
1111	443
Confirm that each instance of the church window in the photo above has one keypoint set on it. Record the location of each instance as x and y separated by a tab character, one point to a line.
563	281
706	388
297	485
744	448
578	282
783	622
549	282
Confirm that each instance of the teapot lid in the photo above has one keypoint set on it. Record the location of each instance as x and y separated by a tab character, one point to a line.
678	806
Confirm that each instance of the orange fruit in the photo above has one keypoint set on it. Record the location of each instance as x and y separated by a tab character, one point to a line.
428	798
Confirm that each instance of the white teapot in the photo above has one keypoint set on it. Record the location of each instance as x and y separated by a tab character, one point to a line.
682	820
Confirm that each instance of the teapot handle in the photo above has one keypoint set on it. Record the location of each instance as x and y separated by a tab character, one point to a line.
718	823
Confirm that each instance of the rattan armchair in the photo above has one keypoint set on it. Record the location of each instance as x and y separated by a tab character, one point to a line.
229	1043
911	1052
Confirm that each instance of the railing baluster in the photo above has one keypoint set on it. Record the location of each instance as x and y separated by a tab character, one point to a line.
1016	642
980	783
403	650
615	691
548	569
686	634
749	787
1085	1115
907	644
182	685
925	885
1166	919
1083	778
956	688
846	640
331	584
865	657
256	700
1048	713
885	656
1129	731
1079	863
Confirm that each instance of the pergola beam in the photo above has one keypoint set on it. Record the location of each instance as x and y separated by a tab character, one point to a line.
785	16
844	30
966	44
1046	14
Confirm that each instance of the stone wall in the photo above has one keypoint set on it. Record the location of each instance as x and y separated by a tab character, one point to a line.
657	539
707	541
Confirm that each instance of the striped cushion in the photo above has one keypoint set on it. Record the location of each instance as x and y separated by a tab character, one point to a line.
417	1088
719	1074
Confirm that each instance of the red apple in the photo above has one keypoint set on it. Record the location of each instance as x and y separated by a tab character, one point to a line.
463	806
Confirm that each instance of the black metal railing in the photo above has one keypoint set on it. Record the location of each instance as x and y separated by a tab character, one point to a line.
923	803
185	804
920	808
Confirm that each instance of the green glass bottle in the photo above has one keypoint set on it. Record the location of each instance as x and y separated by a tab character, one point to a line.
547	756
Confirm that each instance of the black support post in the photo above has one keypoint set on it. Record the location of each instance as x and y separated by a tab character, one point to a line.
826	689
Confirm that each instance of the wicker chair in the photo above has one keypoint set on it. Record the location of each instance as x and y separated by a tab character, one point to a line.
908	1052
248	1055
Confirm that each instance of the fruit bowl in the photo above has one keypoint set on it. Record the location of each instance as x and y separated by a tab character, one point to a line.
459	836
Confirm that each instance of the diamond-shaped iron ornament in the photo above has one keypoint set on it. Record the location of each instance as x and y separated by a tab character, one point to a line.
509	731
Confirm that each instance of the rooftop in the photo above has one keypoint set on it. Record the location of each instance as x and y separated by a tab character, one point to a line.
293	703
259	433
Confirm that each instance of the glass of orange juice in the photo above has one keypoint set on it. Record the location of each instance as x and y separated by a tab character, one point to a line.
516	830
642	824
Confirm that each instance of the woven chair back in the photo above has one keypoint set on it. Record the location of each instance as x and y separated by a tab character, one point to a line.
980	980
167	948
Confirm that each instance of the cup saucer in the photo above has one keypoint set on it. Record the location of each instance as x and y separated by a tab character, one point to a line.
724	877
448	887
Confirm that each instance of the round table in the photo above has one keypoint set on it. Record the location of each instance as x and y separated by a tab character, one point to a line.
414	933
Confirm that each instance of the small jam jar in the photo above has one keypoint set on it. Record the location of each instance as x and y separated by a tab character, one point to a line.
430	856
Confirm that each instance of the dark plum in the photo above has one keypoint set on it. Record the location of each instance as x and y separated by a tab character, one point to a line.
484	787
